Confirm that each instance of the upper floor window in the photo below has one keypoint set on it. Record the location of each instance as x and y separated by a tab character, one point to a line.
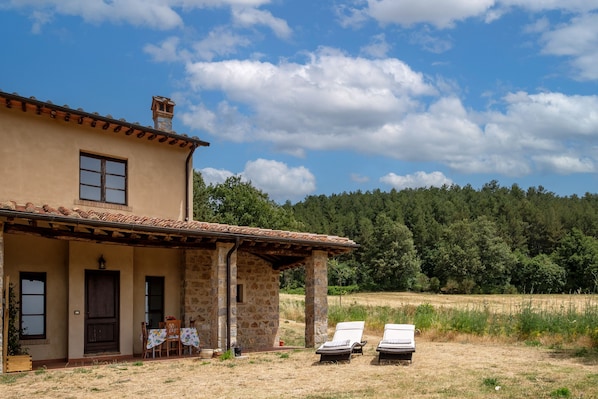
33	305
102	179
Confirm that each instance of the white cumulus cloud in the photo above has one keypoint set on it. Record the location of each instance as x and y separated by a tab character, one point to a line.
441	13
248	17
156	14
215	176
578	41
280	181
382	107
416	180
275	178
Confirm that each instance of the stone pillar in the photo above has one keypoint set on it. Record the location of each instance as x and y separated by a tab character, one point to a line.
316	299
2	337
221	291
199	303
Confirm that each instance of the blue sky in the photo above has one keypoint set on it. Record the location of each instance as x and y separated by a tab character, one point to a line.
319	97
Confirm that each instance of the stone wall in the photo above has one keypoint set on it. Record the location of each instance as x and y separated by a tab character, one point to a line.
199	295
254	320
258	313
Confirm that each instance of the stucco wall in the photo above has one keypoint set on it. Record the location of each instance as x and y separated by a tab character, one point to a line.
84	256
39	163
158	262
34	254
65	339
257	314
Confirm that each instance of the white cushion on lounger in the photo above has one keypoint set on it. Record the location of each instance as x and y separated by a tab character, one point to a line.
333	344
395	341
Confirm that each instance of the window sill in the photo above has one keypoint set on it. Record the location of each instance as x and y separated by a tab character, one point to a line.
31	342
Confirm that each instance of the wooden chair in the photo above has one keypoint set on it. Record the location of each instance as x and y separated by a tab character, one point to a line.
144	341
173	336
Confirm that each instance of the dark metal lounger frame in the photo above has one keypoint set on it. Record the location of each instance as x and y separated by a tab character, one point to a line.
344	354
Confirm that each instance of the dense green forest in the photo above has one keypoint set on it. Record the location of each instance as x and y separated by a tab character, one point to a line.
450	239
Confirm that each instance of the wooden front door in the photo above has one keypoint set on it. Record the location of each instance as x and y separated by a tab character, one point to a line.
102	289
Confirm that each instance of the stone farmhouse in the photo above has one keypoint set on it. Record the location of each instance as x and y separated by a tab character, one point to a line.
97	235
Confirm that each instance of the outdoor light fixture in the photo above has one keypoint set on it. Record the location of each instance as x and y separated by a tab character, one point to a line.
101	262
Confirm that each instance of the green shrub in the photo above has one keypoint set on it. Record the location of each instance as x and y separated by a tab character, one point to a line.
469	321
435	284
561	393
491	382
529	323
227	355
342	290
594	336
425	315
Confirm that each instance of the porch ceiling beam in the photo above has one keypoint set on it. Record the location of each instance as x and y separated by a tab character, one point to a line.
288	263
109	237
273	251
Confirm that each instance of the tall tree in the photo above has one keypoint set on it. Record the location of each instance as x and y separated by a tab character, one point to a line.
475	257
578	254
239	203
201	199
392	262
539	274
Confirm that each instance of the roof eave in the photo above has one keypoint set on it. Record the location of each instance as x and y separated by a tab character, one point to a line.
105	122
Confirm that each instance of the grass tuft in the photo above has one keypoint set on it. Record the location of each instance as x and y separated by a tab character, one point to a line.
561	393
227	355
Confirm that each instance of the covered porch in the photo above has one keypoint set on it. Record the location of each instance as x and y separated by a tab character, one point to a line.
224	278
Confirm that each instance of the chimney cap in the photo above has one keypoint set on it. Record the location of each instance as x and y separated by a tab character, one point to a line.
162	100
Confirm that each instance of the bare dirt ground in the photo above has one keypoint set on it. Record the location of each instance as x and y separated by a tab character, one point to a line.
439	370
462	368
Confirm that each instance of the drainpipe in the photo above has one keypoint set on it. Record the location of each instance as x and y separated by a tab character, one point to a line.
228	290
188	166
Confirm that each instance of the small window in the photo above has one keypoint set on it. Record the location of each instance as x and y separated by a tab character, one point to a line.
240	293
154	301
102	179
33	305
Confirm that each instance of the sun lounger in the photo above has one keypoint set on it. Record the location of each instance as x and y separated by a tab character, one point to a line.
347	340
398	342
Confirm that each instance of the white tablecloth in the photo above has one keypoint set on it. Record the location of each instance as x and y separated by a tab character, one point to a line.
156	336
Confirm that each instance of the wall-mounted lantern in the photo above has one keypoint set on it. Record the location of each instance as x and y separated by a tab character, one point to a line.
101	262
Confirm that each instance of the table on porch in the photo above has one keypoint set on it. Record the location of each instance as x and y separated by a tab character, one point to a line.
157	336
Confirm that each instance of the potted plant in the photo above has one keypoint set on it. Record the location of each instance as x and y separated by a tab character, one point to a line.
17	359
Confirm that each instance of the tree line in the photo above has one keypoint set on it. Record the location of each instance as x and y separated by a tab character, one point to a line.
450	239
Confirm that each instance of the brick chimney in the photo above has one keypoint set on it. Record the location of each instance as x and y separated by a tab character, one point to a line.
162	113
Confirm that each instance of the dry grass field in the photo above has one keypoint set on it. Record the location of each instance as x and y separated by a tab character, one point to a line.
462	367
496	303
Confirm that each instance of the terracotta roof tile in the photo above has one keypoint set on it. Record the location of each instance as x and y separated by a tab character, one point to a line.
191	226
